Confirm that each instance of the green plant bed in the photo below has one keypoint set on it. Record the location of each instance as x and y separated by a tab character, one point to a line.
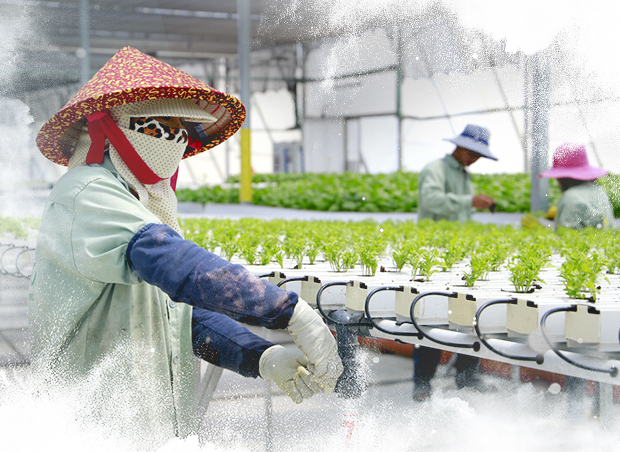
19	227
395	192
423	248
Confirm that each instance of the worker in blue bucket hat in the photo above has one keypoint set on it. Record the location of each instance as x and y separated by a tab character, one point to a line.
446	192
118	297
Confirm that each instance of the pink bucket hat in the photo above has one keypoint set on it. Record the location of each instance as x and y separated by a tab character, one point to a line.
571	161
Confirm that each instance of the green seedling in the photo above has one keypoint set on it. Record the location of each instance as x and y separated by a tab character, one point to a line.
525	268
429	262
295	249
368	253
581	272
480	266
453	253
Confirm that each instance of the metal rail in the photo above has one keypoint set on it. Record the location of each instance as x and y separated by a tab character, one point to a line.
16	260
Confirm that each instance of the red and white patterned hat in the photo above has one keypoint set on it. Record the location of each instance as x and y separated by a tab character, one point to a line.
132	76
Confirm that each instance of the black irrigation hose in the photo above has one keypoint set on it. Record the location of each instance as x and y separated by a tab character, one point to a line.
320	308
613	371
287	280
268	275
371	320
538	358
421	334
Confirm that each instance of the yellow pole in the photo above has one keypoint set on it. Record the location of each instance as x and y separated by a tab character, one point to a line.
245	191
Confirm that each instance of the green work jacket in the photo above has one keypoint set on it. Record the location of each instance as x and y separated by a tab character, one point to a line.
445	191
584	205
94	322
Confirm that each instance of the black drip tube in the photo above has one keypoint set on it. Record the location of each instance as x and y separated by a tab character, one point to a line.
371	320
297	278
538	358
325	315
613	371
421	334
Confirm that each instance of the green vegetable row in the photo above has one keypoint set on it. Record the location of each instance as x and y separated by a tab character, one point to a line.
18	227
355	192
423	248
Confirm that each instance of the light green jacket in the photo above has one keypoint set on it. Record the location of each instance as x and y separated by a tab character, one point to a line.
584	205
445	191
93	319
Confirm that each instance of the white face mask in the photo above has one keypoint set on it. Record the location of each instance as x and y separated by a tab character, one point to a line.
160	153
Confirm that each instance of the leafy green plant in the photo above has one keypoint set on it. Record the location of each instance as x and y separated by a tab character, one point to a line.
279	258
429	261
581	272
337	255
400	255
295	248
525	268
268	251
454	252
368	252
479	268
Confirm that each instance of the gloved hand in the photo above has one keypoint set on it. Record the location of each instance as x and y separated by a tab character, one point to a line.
529	221
314	339
288	369
551	213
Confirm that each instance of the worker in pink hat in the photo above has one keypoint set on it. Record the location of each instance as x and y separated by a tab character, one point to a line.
584	203
120	303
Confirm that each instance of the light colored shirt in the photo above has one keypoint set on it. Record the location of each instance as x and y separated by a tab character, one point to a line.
585	205
445	191
94	320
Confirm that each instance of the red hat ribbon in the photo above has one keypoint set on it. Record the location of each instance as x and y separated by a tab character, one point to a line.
102	126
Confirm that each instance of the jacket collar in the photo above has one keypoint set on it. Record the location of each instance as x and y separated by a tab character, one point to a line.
454	163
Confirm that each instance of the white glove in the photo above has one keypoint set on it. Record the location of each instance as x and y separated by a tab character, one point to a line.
288	369
313	337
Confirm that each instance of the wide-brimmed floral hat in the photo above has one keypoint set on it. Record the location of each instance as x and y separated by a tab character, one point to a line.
131	76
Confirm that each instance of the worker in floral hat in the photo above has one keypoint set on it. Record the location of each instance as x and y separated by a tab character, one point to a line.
584	203
117	295
446	192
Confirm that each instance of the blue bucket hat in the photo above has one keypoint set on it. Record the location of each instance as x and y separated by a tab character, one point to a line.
475	138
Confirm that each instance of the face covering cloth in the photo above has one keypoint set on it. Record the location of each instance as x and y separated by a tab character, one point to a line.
155	129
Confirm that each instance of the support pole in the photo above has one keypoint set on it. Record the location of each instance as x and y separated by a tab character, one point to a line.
539	199
83	53
244	32
352	382
399	87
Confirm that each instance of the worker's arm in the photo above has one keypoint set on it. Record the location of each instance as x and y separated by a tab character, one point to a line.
221	341
190	274
433	194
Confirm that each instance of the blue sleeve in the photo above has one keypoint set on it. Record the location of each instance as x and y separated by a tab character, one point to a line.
190	274
221	341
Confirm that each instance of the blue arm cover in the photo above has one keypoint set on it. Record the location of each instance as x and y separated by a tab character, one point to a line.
220	340
192	275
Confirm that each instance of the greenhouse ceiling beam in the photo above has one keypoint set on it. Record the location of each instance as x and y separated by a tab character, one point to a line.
119	8
353	75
